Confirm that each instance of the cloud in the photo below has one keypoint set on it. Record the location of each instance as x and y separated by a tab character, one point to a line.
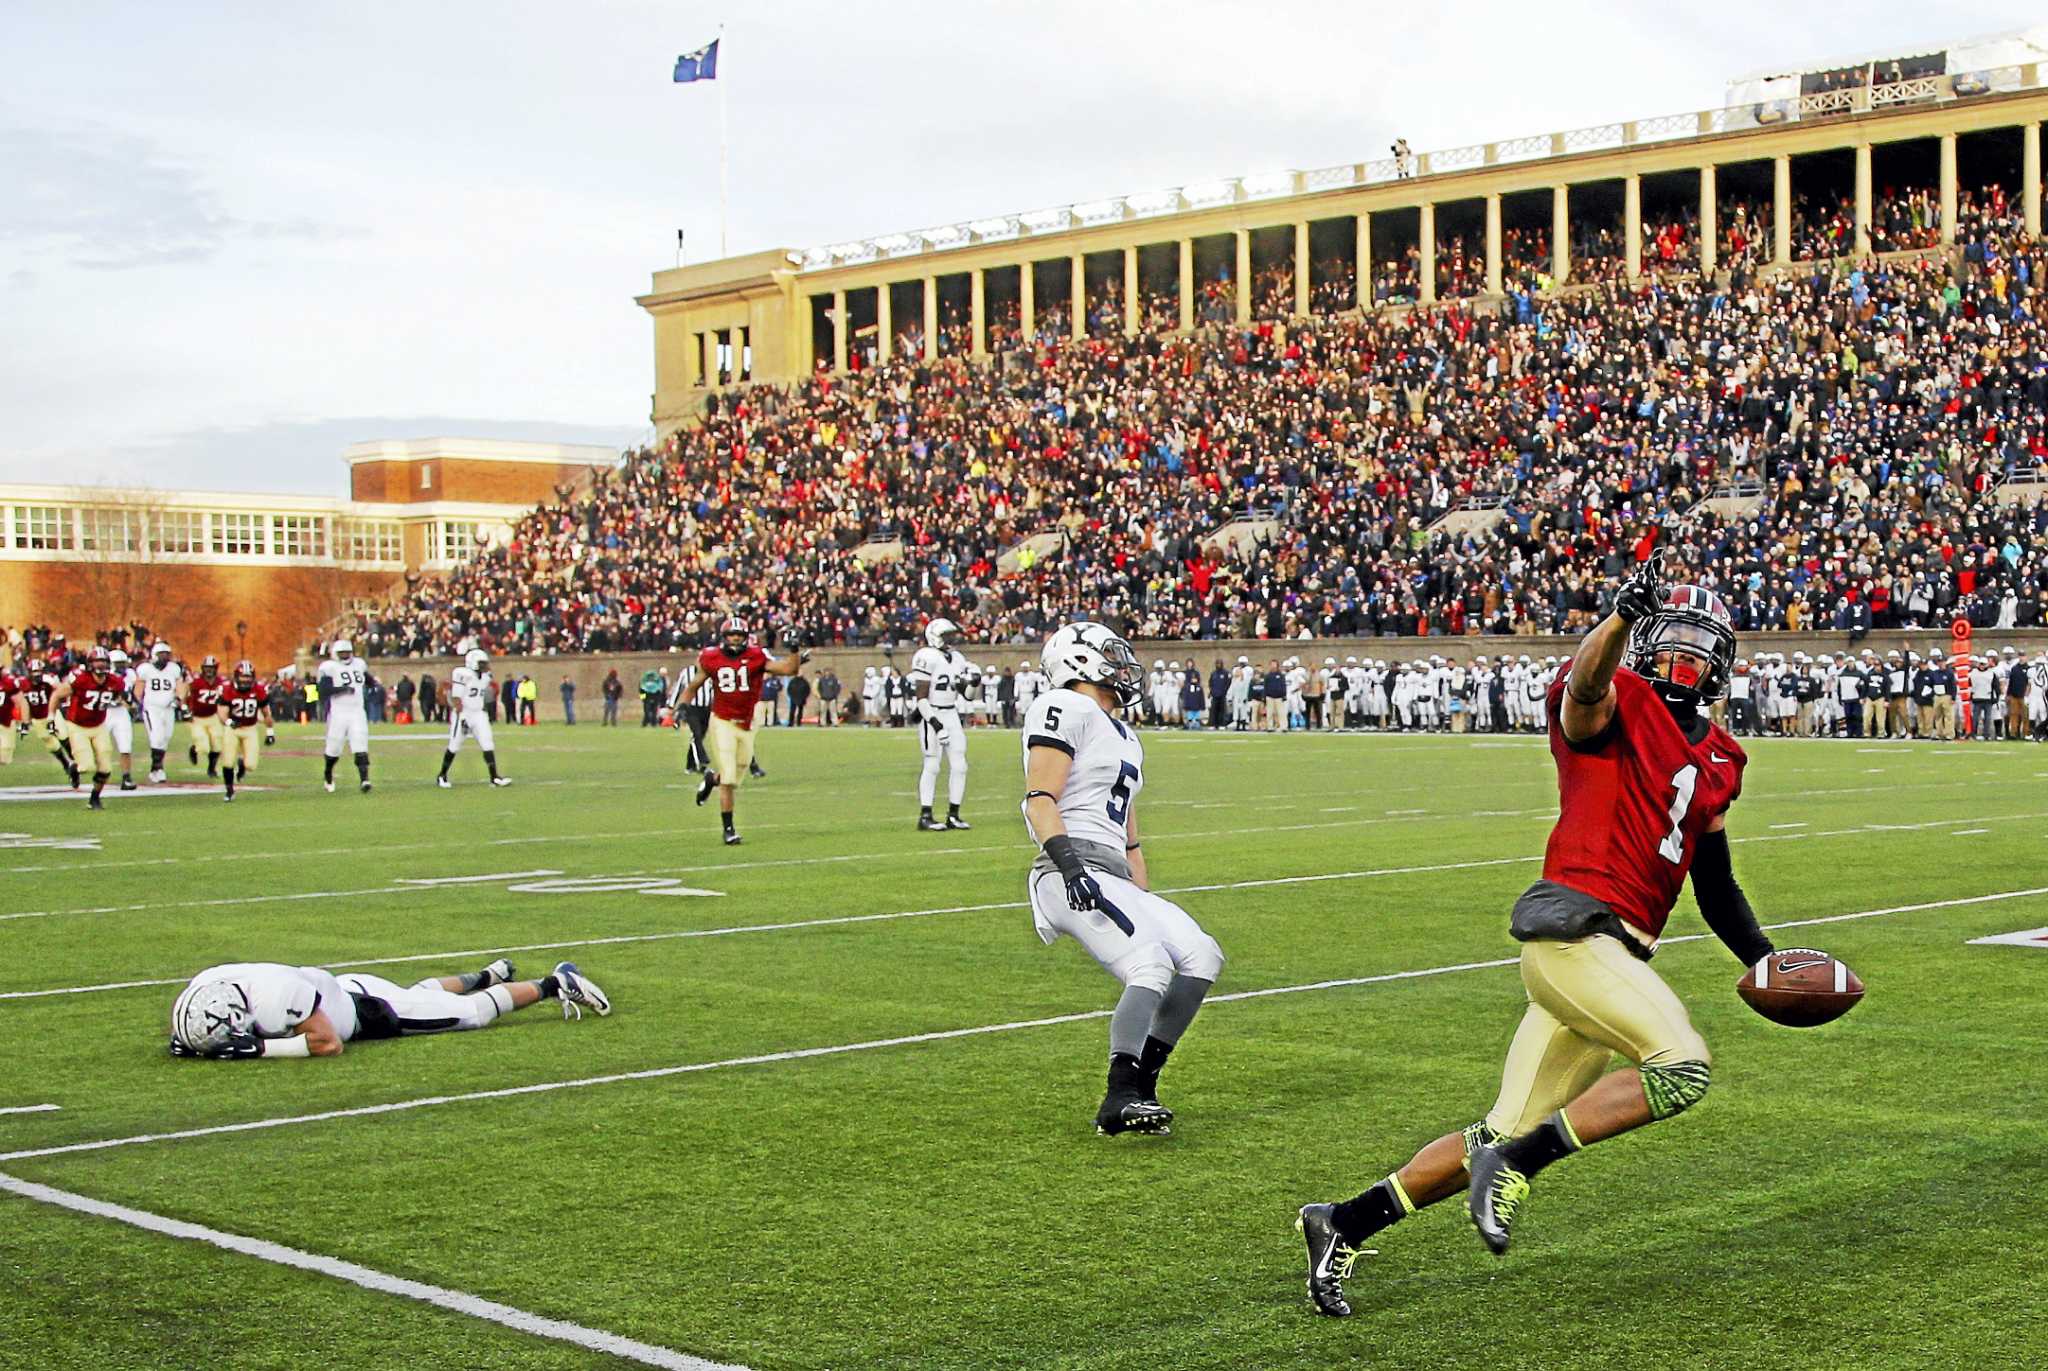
107	201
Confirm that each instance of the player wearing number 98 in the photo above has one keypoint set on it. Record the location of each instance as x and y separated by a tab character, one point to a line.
940	677
1645	779
1083	769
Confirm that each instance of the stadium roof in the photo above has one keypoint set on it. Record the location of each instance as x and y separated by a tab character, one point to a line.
1993	50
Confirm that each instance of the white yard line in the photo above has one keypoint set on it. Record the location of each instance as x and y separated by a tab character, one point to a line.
475	880
909	1039
31	1109
456	1301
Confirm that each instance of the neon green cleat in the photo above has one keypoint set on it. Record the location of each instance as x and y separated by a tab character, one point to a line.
1497	1192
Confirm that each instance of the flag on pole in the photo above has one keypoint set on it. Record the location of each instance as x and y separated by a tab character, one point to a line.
701	65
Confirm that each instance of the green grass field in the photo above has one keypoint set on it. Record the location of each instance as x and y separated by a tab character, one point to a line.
1853	1196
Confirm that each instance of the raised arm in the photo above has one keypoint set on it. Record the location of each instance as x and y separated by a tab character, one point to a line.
1589	689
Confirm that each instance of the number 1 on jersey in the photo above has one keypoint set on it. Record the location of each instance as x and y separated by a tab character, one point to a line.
1673	847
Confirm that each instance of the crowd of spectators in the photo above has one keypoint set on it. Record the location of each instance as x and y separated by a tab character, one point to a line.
1876	403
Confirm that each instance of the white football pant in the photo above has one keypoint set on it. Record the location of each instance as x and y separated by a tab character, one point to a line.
1136	936
939	734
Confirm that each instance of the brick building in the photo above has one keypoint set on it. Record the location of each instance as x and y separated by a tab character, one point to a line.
254	574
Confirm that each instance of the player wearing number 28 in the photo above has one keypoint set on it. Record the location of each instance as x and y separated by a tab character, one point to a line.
1083	769
1645	779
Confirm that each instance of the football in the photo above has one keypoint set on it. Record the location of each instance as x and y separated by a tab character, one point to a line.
1800	987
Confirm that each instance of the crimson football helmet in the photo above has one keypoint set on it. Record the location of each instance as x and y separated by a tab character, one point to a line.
734	633
1687	648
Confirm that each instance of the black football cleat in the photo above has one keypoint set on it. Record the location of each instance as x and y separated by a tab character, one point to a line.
955	821
127	783
704	787
192	754
756	772
93	802
732	839
927	824
1124	1112
1497	1192
1330	1259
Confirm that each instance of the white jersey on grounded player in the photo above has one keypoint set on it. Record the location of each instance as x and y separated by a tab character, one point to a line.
469	691
341	686
283	997
1109	763
947	673
159	685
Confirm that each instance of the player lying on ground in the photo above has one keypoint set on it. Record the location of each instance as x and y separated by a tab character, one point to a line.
1645	779
1083	769
267	1009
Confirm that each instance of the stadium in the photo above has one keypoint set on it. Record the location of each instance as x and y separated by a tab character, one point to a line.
1531	589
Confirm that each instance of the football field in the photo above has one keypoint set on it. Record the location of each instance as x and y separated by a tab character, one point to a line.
842	1114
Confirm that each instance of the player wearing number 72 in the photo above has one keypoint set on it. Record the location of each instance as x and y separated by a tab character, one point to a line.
1645	779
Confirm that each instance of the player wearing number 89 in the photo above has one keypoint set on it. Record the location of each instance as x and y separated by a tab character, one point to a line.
736	667
1645	779
1083	769
940	678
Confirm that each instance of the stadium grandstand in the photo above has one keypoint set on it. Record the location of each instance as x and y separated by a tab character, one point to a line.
1796	340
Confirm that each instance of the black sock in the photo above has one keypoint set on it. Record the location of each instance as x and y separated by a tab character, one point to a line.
447	760
725	817
1153	1059
550	988
212	763
1541	1145
156	759
491	761
473	981
127	778
924	811
363	765
1125	1075
330	767
99	783
952	811
230	779
1380	1207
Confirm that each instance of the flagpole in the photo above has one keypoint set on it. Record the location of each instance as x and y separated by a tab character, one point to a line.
723	201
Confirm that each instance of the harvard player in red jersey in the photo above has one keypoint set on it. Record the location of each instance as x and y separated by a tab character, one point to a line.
13	714
38	689
736	667
85	700
1645	778
243	704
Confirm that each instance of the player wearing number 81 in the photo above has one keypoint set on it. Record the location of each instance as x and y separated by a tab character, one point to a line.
736	668
1645	779
1083	769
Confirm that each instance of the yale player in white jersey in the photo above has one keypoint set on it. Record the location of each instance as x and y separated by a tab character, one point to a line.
267	1009
1083	768
941	678
121	722
342	678
469	690
156	685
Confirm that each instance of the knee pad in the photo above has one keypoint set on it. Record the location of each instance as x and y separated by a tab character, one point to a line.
1674	1088
1148	966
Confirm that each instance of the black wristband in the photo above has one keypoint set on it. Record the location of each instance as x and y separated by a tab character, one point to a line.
1060	851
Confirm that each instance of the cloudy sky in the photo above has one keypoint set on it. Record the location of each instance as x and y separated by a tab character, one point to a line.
235	237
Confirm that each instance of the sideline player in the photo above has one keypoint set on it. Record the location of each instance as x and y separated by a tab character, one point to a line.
1083	769
242	705
85	701
38	690
939	679
342	678
13	714
736	668
244	1010
1645	779
469	690
156	688
202	701
120	721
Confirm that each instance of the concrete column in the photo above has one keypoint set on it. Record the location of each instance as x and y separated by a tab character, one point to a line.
1077	304
1244	275
1710	224
838	330
1027	302
1948	188
1493	244
1781	208
2030	176
977	308
1301	268
931	317
1426	236
1130	290
1362	264
885	323
1862	199
806	337
1632	225
1560	234
1187	283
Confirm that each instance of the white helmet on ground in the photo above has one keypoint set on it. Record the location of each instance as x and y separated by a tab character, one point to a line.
206	1014
1092	653
941	633
477	659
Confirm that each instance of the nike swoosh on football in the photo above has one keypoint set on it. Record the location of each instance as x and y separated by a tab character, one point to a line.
1784	967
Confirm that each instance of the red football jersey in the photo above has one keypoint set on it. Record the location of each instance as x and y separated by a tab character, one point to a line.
203	699
735	681
241	705
1631	810
11	685
36	691
92	696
